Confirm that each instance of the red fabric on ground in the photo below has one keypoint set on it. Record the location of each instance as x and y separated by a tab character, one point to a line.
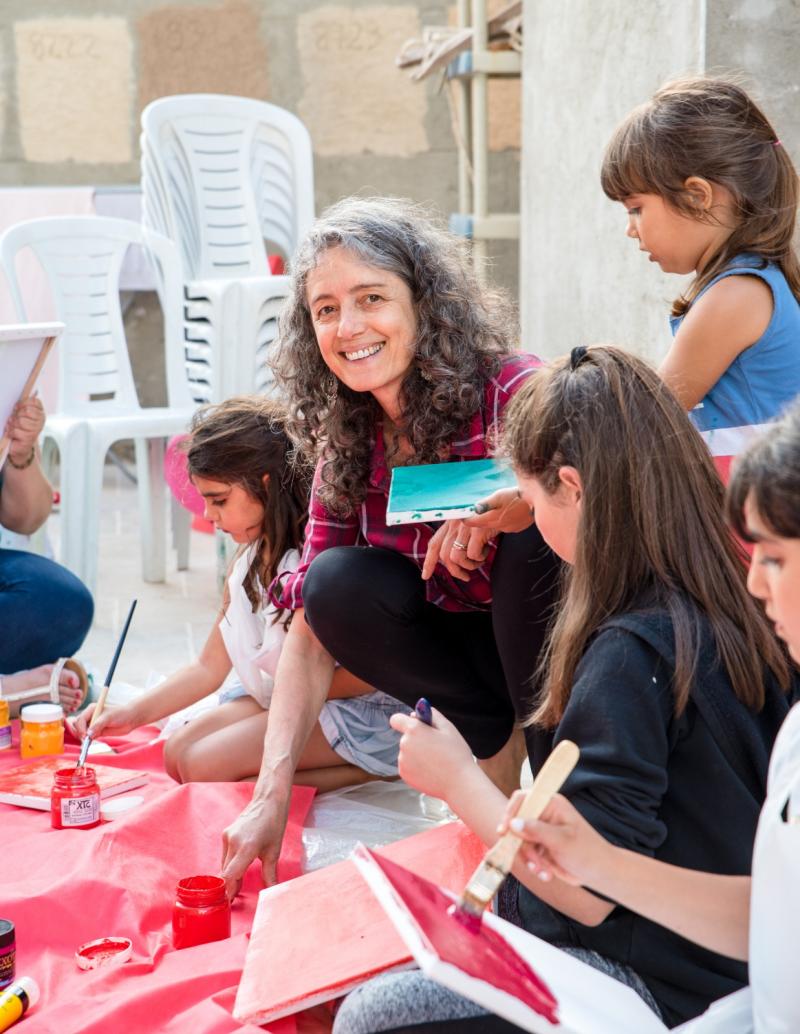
64	887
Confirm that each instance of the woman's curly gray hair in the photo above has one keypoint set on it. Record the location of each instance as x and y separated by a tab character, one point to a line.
463	330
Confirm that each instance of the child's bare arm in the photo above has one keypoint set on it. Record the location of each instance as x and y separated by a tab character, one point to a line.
709	909
188	685
730	317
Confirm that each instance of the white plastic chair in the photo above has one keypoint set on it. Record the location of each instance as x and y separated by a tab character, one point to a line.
97	400
225	178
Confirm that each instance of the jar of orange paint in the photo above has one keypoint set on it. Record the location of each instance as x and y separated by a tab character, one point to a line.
41	730
75	799
202	911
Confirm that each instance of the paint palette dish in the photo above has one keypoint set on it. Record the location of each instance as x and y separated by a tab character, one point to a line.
506	970
444	491
29	785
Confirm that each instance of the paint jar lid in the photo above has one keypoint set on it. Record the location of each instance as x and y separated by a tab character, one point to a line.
117	805
103	952
42	713
6	933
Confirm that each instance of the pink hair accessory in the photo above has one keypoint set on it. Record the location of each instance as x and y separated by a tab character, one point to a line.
776	143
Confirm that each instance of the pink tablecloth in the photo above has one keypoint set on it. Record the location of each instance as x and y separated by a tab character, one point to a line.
64	887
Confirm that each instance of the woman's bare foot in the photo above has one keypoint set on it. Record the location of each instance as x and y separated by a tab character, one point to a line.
69	691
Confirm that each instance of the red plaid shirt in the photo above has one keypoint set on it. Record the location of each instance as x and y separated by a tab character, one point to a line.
367	527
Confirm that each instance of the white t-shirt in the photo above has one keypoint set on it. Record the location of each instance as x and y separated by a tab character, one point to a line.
775	897
254	640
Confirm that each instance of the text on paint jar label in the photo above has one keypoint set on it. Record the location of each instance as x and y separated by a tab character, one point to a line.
79	811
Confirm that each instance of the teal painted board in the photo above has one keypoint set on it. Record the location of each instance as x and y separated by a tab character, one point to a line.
444	491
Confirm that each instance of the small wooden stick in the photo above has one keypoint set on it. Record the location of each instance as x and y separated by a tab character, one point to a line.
44	352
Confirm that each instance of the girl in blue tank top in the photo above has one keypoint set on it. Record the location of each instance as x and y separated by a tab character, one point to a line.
709	189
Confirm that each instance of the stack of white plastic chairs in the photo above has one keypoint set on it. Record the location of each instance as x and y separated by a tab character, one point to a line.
230	181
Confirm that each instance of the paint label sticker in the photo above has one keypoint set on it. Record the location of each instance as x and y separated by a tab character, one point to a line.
80	811
5	737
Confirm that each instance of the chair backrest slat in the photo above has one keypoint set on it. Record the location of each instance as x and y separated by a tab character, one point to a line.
82	258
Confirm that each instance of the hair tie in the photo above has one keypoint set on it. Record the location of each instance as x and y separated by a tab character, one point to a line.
776	143
577	355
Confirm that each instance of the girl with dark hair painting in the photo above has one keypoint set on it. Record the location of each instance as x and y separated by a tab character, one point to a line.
238	459
710	189
660	667
391	352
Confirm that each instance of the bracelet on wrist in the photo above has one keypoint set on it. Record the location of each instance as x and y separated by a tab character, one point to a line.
25	463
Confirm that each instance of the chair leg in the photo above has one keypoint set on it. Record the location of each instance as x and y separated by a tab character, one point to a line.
93	494
78	498
152	507
181	528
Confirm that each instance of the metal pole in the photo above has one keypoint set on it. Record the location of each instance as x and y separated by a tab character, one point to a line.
480	160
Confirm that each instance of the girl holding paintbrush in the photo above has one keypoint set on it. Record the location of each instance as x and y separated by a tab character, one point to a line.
238	459
659	666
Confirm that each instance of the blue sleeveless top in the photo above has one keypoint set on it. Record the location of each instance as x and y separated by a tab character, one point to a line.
763	379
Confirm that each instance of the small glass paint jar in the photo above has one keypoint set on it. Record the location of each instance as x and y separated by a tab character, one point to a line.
202	912
75	799
8	952
5	729
41	730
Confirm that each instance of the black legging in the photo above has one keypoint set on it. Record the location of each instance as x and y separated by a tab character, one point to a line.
367	607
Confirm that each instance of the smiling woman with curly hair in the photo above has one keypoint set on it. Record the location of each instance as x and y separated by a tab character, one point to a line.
392	352
462	333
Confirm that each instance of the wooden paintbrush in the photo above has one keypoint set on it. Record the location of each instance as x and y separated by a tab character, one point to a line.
497	861
101	700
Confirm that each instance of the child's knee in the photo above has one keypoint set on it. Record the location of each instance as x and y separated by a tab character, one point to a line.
192	763
174	752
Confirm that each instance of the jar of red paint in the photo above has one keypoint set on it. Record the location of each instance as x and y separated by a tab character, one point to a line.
75	799
202	911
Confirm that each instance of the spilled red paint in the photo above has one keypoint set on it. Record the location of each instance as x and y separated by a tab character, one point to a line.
471	946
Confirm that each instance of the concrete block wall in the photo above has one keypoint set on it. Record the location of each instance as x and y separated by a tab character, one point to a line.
75	75
586	64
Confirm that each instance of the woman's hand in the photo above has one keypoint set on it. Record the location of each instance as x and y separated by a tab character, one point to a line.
24	427
560	843
504	510
256	833
461	549
114	721
431	756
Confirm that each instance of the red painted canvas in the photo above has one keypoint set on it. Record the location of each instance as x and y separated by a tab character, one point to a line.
321	935
463	941
29	785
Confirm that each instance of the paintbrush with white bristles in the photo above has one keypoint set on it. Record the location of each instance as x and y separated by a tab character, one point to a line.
497	862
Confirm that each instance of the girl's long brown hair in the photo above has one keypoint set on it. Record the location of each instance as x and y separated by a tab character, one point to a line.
710	128
237	442
651	525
